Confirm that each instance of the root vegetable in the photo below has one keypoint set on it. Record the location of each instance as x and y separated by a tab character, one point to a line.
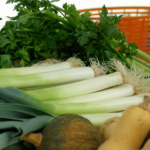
107	129
131	131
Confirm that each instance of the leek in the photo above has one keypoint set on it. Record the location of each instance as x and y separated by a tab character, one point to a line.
72	62
13	95
48	78
98	119
77	88
115	92
91	110
104	106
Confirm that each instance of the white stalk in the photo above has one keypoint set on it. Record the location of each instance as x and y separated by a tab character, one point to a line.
70	63
55	78
104	106
77	88
98	119
48	78
112	93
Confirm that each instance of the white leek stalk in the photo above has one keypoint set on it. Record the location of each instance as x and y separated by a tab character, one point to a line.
123	90
70	63
98	119
77	88
48	78
104	106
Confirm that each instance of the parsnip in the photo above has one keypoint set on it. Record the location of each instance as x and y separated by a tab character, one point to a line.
107	129
132	129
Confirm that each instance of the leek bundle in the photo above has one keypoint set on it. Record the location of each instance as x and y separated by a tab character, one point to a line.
77	88
70	63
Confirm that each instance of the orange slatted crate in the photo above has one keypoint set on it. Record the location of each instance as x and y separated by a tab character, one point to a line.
135	21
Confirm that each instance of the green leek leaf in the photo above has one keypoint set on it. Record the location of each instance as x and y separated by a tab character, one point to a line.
13	95
15	114
8	124
22	109
6	139
31	125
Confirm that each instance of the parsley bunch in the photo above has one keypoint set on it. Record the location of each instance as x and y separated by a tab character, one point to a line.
42	30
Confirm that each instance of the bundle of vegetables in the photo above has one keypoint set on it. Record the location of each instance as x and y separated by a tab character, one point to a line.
96	95
91	92
19	118
58	88
71	131
43	30
93	95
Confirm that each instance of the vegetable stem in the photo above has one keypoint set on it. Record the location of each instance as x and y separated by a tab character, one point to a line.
123	90
58	8
55	16
139	63
48	78
115	50
77	88
105	106
143	55
139	52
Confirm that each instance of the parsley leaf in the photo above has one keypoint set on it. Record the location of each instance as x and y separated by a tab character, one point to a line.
5	61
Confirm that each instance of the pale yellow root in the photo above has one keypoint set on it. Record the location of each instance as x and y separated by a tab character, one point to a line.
99	69
107	129
76	62
133	76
